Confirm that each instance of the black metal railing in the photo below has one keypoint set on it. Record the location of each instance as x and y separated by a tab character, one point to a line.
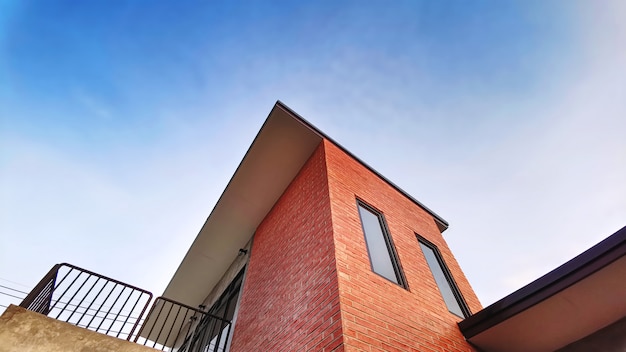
173	326
96	302
89	300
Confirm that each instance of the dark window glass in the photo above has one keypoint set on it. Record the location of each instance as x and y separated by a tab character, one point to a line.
448	290
212	334
379	246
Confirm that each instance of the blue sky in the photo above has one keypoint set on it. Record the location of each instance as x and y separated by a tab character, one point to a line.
122	121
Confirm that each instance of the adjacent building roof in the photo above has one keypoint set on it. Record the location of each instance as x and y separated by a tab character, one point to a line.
573	301
278	152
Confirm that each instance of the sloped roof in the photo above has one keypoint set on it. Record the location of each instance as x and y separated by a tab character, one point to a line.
573	301
278	152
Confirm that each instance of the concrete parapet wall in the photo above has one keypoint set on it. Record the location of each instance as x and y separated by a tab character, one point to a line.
24	331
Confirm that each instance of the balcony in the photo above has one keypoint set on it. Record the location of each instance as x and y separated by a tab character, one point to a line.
107	306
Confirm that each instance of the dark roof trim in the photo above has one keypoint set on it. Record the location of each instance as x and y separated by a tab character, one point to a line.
575	270
441	223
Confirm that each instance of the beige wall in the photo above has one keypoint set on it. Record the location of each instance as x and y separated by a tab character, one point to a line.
25	331
229	275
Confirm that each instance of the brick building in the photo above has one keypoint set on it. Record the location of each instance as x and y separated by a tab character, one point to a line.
335	257
310	249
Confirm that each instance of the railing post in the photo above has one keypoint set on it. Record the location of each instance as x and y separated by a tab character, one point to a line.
169	330
34	294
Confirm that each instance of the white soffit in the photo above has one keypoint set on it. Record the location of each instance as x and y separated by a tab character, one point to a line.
579	310
275	157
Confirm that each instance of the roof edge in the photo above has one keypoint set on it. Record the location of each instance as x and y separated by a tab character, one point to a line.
576	269
441	223
222	195
308	129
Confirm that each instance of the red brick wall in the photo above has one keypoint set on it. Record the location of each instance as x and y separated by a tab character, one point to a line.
377	314
290	298
309	284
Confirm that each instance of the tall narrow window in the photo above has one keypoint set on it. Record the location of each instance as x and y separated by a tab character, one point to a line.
443	278
380	248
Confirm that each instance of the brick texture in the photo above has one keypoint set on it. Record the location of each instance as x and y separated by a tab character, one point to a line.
290	298
377	314
309	284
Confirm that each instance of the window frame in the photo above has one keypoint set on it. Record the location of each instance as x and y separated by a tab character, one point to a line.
391	249
458	296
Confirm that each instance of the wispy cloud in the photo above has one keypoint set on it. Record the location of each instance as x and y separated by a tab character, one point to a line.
526	162
527	179
555	187
92	104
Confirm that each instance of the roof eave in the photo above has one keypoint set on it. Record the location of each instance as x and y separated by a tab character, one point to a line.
280	148
548	286
441	223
